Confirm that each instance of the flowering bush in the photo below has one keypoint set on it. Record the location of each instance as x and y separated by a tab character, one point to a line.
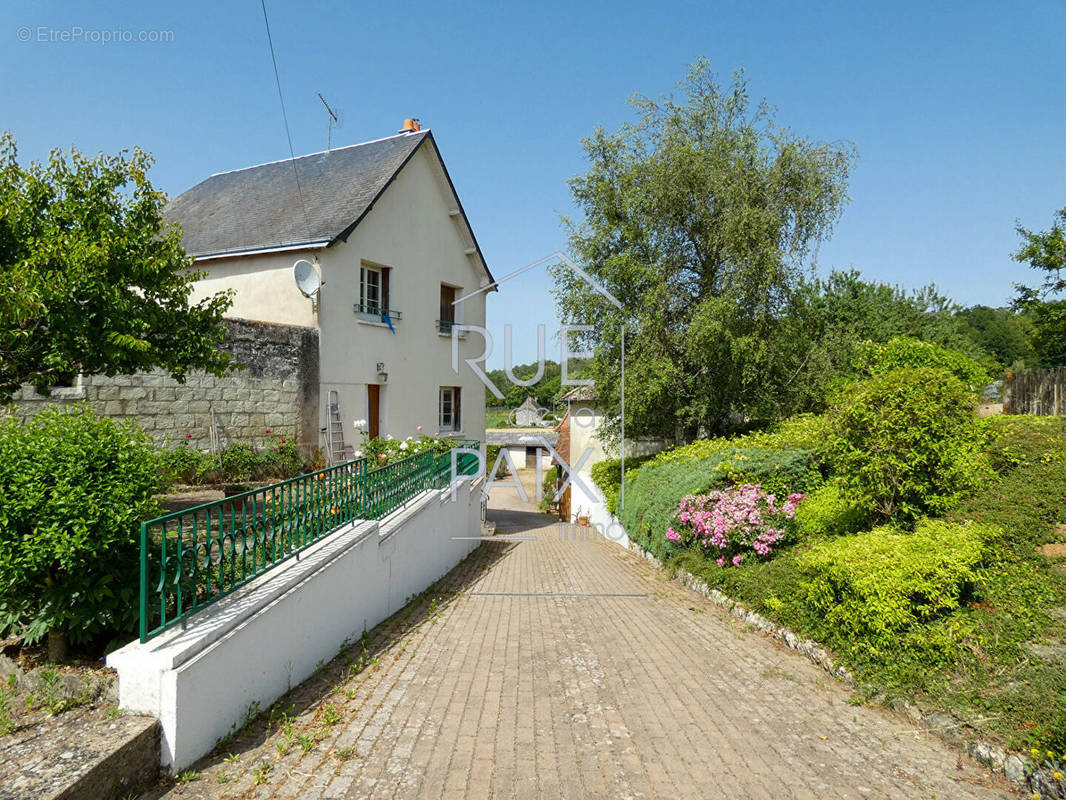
733	522
381	452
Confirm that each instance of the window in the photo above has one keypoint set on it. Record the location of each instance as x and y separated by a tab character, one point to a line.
374	291
450	417
447	310
447	300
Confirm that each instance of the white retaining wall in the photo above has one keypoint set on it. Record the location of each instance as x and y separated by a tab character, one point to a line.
593	504
269	636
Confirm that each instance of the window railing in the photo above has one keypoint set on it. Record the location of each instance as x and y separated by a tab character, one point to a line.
377	311
444	326
193	557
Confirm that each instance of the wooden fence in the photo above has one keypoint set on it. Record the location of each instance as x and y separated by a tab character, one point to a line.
1041	391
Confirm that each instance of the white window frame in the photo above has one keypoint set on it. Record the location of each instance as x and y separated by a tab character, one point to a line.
455	425
364	285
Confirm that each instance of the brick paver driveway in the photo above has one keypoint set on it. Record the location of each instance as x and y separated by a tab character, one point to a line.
555	668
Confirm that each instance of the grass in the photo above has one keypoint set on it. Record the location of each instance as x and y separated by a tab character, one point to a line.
987	671
497	419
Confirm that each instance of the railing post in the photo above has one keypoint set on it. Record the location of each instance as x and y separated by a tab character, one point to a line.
144	582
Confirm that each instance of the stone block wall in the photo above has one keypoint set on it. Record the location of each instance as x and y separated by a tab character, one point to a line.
277	391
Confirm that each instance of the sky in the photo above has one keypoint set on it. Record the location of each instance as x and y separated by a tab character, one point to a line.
956	109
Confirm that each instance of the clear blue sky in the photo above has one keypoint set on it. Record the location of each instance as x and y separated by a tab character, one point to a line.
957	109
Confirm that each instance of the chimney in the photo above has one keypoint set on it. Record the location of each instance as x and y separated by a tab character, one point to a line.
410	126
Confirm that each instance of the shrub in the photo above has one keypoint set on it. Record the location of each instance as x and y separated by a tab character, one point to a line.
730	524
184	464
1016	441
607	475
874	359
73	489
382	452
657	488
801	432
829	509
492	452
906	443
281	459
239	461
869	589
781	472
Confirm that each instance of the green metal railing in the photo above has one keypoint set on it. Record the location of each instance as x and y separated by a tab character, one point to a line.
191	558
377	311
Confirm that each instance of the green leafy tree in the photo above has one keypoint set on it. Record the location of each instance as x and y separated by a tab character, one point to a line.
700	218
1000	332
93	278
1045	251
832	317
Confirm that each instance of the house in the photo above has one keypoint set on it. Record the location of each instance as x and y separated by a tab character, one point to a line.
384	229
529	415
526	446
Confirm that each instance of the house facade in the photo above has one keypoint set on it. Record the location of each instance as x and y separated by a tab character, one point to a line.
392	248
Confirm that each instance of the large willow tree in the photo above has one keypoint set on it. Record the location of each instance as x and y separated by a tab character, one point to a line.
701	218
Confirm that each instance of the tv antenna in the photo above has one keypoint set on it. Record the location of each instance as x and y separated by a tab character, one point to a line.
334	121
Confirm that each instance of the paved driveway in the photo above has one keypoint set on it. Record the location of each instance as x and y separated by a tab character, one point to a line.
556	667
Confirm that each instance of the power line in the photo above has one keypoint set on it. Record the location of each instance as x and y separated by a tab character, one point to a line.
285	118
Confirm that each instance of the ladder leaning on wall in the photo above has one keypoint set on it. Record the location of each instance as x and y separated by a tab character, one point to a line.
334	429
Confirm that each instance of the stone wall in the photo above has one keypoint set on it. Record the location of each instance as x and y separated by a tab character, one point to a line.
277	391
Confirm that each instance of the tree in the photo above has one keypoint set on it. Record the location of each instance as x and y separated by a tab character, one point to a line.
700	219
1000	332
93	279
831	318
1045	251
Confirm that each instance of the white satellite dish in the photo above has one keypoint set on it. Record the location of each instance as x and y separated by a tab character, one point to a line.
306	277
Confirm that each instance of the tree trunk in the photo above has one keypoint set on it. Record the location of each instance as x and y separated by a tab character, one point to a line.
57	645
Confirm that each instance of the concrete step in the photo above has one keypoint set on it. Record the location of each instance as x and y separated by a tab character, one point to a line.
83	754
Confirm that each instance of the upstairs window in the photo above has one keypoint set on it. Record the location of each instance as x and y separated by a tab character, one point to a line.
447	309
373	302
370	285
450	413
447	303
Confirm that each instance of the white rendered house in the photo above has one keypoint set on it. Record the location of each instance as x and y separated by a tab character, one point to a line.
392	246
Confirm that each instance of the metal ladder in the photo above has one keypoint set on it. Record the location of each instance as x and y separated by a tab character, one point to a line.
334	429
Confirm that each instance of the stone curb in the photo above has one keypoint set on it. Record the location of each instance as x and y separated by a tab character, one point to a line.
1016	768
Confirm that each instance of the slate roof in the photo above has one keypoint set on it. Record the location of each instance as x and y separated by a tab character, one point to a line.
521	437
259	208
581	394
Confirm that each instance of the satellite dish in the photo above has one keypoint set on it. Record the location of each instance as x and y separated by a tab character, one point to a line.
306	277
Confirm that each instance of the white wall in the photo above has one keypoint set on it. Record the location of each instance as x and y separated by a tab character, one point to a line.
263	287
271	635
410	231
587	500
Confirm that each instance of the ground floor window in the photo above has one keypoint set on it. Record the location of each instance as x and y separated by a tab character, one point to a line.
450	416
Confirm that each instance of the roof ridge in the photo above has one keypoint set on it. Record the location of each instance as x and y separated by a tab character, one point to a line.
317	153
